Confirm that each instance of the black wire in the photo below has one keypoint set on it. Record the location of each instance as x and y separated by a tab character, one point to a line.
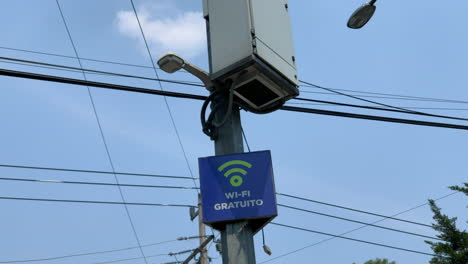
91	71
374	118
356	229
386	105
325	103
86	254
93	202
162	89
94	171
127	259
381	109
75	69
352	209
101	131
81	58
43	77
390	96
356	240
98	183
245	138
403	97
358	222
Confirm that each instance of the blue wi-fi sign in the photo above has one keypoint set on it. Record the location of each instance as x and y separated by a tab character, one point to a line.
238	186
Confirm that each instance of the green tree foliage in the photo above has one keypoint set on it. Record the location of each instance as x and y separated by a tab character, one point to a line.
461	189
454	248
379	261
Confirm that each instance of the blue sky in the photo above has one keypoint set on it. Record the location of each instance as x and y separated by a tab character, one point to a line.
416	48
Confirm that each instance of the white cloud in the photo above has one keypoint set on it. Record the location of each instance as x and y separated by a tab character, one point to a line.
184	34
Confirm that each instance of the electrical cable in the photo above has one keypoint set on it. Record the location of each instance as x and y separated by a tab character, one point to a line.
91	71
92	202
389	96
75	69
397	109
208	128
386	105
86	254
374	118
381	109
71	57
358	228
95	172
99	183
111	163
165	99
35	76
450	101
352	209
358	222
353	239
245	138
325	103
127	259
230	85
402	97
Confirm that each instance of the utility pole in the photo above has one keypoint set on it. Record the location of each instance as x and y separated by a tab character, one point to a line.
202	233
237	237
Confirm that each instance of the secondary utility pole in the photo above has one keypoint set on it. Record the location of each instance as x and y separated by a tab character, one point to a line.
237	237
202	233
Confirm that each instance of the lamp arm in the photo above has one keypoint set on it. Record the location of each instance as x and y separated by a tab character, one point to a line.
200	74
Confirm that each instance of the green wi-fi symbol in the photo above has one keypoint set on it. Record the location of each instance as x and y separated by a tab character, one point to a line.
236	179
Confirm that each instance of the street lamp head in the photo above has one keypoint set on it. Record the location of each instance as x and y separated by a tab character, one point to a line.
362	15
171	62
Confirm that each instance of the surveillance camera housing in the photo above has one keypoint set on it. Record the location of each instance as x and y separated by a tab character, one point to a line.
250	42
171	63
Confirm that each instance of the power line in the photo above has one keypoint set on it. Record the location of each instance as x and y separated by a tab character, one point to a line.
356	229
99	184
386	105
95	172
352	209
58	79
162	89
398	109
365	92
325	103
101	131
87	254
394	96
353	239
72	57
93	202
381	109
374	118
358	222
390	96
75	69
127	259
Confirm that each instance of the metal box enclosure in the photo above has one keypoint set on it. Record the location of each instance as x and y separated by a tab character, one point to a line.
250	41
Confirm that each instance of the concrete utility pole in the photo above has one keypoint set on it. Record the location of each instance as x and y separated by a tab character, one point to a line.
202	233
237	237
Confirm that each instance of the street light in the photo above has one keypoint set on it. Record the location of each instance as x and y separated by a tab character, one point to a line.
362	15
171	62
